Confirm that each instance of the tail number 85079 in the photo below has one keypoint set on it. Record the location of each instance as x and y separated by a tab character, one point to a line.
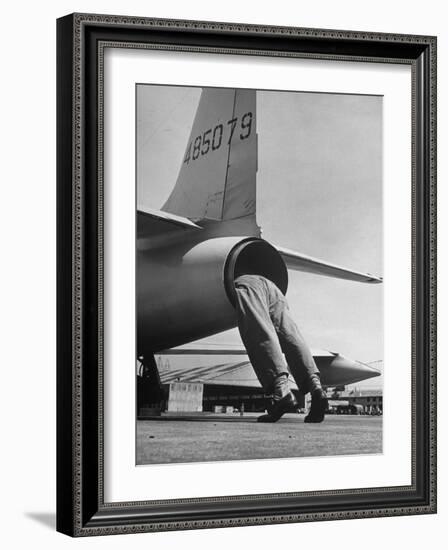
212	139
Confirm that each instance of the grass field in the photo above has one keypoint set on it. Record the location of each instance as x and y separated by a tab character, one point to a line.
199	439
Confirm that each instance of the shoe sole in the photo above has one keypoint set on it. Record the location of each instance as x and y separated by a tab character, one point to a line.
270	418
319	415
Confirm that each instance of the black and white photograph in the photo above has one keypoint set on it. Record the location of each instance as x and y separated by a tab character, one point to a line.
259	264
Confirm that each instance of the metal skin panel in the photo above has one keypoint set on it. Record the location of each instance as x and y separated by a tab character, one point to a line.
241	181
181	294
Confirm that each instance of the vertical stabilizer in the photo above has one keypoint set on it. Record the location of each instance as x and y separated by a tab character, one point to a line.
217	179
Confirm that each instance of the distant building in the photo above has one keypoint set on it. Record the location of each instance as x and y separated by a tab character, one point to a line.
370	400
233	386
225	387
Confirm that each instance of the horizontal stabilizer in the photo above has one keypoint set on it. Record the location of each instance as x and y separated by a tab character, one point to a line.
152	222
301	262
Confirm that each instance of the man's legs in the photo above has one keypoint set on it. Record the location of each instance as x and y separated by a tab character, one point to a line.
263	348
261	341
300	360
297	353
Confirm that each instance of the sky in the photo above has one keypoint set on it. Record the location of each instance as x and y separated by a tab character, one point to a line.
319	192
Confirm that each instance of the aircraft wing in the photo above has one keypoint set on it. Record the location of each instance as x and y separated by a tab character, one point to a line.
335	369
301	262
225	371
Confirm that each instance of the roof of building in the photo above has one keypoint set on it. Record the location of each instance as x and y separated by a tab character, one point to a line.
360	393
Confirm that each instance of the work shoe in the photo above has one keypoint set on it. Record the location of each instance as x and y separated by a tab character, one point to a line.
279	408
319	404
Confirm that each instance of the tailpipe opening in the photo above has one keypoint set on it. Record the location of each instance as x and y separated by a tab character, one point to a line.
254	256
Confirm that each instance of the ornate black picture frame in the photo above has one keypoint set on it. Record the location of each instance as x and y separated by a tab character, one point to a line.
81	508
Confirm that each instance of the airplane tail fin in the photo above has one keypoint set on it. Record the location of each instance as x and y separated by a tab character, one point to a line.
217	179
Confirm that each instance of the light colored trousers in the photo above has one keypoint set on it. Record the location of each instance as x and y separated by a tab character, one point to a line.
268	331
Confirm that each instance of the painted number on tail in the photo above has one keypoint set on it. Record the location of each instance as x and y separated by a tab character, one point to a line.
212	139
